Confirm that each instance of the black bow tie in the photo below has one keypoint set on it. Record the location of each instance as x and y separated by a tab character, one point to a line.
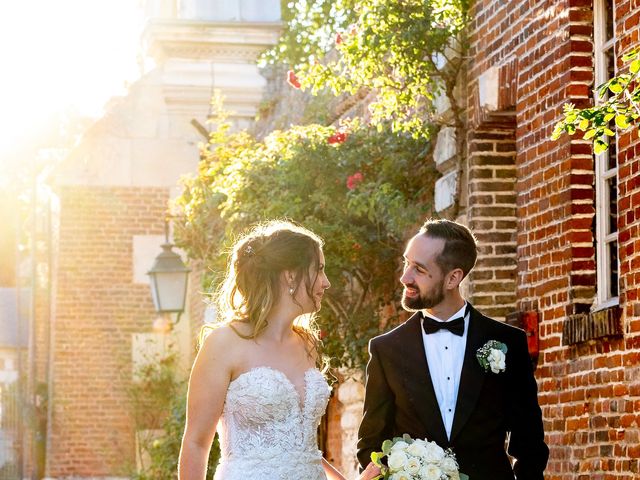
455	326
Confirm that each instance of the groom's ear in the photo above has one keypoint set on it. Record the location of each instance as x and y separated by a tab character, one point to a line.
453	278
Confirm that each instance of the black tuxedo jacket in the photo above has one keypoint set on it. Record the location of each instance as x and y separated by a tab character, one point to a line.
491	408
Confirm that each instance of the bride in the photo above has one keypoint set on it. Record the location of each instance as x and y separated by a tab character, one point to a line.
255	377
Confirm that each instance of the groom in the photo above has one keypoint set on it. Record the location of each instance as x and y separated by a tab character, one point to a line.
424	378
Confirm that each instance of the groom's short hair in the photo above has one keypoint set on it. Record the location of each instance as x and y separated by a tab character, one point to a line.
460	246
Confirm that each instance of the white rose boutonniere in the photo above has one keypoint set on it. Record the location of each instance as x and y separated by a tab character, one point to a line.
492	356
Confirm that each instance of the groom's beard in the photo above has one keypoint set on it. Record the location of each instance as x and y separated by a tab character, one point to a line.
423	300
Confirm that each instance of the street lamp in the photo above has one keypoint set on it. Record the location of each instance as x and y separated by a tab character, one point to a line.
169	277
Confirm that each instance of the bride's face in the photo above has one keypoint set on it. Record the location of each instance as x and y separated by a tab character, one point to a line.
311	298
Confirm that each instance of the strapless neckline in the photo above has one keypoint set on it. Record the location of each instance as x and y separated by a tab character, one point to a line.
302	399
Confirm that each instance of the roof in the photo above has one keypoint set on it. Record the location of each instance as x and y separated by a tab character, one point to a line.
10	316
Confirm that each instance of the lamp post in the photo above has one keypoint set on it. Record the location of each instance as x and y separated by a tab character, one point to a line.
168	278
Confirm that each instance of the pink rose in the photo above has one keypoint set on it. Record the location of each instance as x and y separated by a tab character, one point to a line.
354	180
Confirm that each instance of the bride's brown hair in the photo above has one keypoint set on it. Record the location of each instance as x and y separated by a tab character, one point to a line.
252	283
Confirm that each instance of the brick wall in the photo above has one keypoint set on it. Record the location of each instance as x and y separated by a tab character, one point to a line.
590	391
623	422
195	304
491	215
98	309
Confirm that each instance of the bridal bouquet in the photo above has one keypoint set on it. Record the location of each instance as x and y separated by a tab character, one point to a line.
409	459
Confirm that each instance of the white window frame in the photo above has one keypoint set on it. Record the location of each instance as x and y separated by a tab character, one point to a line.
603	174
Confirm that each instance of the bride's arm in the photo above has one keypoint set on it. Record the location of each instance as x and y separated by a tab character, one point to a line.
207	390
331	472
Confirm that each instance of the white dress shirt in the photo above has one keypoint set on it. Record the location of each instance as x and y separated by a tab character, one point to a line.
445	355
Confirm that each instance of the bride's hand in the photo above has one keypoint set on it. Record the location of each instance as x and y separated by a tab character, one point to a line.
372	471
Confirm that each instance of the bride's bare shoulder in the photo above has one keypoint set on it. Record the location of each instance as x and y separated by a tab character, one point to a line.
221	338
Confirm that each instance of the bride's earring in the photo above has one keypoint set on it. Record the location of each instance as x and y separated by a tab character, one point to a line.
291	290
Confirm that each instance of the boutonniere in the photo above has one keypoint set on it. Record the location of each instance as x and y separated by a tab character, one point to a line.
492	356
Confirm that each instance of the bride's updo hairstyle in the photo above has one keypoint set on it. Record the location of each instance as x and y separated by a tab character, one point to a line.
252	284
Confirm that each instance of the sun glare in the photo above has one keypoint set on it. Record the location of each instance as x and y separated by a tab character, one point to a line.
61	55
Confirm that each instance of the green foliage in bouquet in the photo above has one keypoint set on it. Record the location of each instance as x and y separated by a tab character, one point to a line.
362	189
621	109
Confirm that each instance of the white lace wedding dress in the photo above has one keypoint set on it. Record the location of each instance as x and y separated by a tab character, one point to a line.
267	431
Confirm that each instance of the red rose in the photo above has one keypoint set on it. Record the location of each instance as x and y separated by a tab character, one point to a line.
337	138
292	79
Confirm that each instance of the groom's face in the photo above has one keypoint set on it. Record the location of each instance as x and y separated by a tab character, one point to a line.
422	278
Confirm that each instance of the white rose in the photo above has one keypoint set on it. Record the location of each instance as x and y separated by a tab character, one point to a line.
449	465
417	449
434	453
399	445
430	472
412	466
496	360
401	475
397	460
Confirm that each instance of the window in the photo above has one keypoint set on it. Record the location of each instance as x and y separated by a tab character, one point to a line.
606	165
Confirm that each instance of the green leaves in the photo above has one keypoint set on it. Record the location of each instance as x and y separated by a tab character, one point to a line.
590	134
600	146
310	28
615	86
620	104
622	122
386	447
393	49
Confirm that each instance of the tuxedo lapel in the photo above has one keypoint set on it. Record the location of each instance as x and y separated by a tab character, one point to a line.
472	375
418	384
